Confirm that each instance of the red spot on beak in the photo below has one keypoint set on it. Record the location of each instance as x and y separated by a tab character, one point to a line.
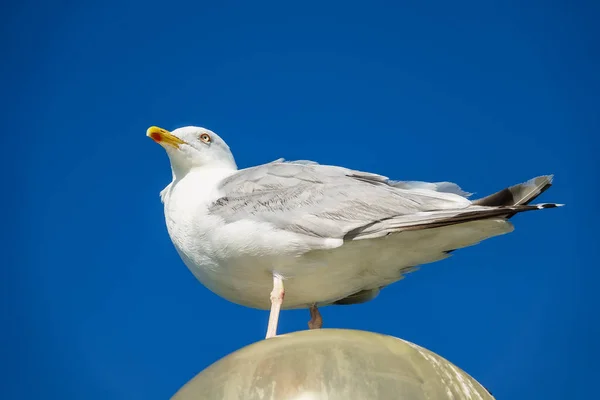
157	137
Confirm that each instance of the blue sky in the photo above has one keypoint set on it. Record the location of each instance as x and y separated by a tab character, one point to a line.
485	94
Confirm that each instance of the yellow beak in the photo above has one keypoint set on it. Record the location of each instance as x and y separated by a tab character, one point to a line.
163	137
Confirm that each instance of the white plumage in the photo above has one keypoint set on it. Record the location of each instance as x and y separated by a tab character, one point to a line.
328	234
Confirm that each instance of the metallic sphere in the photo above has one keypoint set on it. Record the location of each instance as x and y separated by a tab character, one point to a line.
332	364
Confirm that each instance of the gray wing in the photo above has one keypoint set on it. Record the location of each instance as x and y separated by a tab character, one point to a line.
333	202
261	178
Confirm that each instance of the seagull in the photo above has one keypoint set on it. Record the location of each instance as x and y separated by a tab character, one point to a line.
315	234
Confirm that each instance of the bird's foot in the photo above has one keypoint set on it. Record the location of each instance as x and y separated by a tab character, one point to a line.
316	321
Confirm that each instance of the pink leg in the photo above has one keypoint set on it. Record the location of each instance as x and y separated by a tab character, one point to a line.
316	321
276	301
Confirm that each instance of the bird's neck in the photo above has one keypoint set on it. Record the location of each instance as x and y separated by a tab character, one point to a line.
187	199
210	176
182	169
199	182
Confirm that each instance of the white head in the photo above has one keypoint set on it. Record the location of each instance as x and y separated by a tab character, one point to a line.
192	147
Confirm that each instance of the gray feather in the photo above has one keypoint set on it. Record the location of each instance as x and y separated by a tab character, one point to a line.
523	193
334	202
446	187
322	201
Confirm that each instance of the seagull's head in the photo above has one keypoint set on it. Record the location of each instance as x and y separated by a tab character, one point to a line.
193	147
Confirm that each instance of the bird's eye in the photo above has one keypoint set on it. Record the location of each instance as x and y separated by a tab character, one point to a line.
205	138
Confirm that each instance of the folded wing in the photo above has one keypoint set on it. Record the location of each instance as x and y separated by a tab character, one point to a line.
333	202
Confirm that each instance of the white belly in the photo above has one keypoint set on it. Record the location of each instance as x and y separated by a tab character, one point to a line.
325	276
